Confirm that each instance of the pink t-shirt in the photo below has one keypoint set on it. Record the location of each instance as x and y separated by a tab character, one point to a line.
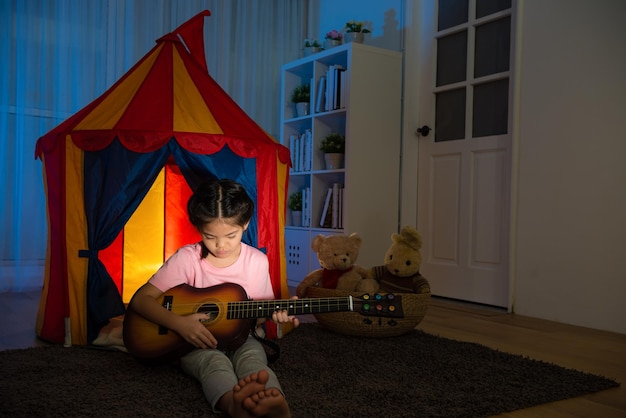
250	271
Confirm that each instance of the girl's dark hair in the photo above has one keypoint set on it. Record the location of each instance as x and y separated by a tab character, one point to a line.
217	199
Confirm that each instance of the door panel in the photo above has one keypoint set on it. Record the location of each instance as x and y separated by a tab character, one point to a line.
463	169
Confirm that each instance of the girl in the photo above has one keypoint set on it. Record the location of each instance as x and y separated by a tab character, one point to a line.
238	383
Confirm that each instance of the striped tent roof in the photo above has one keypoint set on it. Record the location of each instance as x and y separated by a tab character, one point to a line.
167	94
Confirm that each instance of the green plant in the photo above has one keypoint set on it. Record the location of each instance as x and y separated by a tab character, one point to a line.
354	26
311	43
333	143
301	93
295	201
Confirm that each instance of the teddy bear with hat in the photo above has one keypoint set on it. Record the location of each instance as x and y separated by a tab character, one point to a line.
400	273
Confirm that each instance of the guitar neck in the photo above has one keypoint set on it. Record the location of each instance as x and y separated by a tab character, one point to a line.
265	308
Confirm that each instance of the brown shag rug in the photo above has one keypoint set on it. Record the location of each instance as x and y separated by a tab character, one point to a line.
323	375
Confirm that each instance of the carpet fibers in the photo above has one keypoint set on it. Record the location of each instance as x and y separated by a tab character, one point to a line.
323	375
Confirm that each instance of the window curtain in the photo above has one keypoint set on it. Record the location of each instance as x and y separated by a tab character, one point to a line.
60	55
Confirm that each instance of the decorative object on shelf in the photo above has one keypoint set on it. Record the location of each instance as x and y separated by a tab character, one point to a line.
355	31
301	96
333	160
295	205
311	46
334	147
332	39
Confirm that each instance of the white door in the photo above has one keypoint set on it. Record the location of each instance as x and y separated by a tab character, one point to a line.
459	53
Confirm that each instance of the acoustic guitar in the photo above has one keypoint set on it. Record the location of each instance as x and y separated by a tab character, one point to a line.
231	316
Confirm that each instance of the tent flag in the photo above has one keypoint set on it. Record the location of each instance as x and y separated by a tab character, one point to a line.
118	173
192	35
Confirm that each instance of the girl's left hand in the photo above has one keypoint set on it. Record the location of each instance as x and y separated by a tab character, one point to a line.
280	317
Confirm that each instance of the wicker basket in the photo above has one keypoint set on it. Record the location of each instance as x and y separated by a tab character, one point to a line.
353	323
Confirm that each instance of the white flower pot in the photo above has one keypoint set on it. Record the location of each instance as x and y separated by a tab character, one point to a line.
302	109
296	218
333	161
331	43
354	37
309	50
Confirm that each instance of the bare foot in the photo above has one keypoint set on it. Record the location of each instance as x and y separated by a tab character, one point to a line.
111	335
251	395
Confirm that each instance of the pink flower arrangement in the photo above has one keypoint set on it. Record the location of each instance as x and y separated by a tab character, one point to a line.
333	35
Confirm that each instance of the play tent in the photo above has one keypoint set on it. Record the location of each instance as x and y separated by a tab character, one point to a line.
118	174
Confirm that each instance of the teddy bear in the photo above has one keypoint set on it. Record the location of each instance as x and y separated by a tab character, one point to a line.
337	256
400	273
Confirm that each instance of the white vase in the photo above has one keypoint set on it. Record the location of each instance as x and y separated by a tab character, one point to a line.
333	160
358	37
302	109
308	50
296	217
331	43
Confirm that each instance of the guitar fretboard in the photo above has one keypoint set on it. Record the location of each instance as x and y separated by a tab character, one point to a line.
265	308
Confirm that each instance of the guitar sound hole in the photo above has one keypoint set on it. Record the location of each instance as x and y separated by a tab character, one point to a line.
210	310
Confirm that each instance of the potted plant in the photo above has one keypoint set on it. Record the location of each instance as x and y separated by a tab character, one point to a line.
295	205
301	96
332	38
334	147
311	46
355	31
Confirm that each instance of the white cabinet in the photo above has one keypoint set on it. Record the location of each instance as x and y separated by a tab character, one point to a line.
369	92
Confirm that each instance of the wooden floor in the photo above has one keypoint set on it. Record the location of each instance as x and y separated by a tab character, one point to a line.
584	349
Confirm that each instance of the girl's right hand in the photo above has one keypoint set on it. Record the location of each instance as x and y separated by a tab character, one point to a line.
194	332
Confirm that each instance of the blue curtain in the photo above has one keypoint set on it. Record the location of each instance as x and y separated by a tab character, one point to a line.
115	182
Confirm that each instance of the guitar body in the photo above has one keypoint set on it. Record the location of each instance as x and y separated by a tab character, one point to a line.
151	342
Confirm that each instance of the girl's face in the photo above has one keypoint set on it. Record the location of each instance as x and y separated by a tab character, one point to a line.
223	240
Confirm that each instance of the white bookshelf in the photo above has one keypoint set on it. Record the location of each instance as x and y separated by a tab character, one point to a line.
370	119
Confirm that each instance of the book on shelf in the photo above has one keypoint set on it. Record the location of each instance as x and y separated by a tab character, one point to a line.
343	90
311	94
335	217
336	88
332	209
306	207
307	153
329	82
321	94
292	151
335	78
340	205
301	151
325	221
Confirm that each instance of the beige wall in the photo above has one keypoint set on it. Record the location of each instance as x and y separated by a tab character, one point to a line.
570	235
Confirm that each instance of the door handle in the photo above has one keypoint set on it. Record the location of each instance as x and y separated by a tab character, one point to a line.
423	131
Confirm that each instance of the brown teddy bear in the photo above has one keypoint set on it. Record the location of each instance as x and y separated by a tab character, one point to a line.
337	255
400	273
